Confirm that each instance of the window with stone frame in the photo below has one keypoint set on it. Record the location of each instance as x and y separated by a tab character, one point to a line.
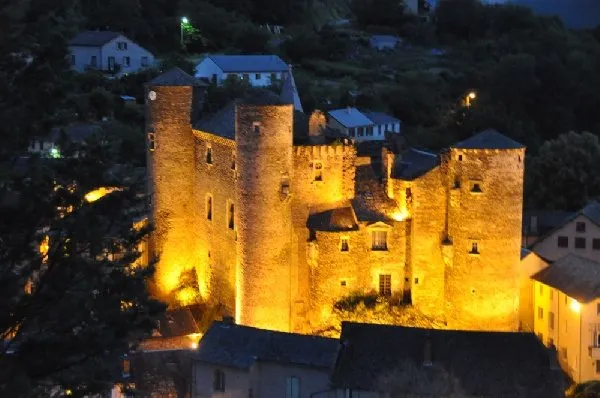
151	142
344	244
474	248
209	155
318	170
385	285
379	240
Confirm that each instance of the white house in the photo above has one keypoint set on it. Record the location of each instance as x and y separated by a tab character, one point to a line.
236	361
258	70
108	51
363	125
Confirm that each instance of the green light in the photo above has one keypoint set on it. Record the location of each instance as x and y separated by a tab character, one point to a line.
55	153
184	20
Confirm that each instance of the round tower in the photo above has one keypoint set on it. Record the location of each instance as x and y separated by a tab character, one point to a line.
263	216
170	161
485	204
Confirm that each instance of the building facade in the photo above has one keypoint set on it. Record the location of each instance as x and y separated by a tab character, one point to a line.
257	70
276	226
363	125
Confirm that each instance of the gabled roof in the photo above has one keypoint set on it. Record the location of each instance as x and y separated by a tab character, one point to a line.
591	211
547	220
221	123
350	117
413	163
575	276
91	38
175	77
380	117
482	364
249	63
339	219
239	346
488	139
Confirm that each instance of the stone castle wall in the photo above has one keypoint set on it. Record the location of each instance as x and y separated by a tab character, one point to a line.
215	182
171	166
264	220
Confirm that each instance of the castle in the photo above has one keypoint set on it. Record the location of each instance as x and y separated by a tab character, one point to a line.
278	220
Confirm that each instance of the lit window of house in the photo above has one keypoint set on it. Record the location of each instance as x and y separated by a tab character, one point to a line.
318	170
209	155
126	368
385	285
219	380
379	240
231	216
344	244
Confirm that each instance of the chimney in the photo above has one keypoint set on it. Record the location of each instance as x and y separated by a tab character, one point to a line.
427	351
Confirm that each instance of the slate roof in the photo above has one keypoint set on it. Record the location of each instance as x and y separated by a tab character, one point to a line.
592	211
380	117
338	219
289	93
413	163
175	77
249	63
221	123
483	364
240	346
547	220
575	276
350	117
91	38
488	139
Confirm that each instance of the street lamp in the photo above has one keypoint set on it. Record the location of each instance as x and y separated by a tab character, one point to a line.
184	21
469	97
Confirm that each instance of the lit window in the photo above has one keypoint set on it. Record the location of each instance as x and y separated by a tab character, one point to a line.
219	381
292	387
540	313
318	170
385	285
344	246
231	216
209	207
209	155
579	243
151	142
580	226
379	240
563	241
474	248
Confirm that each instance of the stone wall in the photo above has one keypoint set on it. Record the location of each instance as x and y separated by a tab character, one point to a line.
264	220
170	167
217	267
485	210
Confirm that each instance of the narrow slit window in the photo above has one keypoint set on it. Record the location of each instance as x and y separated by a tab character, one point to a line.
209	155
151	142
209	208
231	216
344	244
474	248
318	171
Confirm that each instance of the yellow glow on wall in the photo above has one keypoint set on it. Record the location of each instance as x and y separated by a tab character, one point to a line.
194	338
400	215
96	194
575	306
44	247
187	296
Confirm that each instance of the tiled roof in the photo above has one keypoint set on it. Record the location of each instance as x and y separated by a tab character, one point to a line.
380	117
350	117
575	276
483	364
249	63
91	38
174	77
339	219
413	163
488	139
240	346
221	123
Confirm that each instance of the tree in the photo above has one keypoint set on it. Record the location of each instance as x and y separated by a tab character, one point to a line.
563	174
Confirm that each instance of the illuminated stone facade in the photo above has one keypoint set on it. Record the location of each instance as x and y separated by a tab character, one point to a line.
279	223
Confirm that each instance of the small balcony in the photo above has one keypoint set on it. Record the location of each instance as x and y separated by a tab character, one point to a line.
594	352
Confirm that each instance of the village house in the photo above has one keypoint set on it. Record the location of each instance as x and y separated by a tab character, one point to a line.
363	125
538	223
109	52
377	361
50	145
239	362
257	70
567	313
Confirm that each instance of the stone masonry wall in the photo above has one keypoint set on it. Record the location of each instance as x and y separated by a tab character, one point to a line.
482	288
171	166
217	267
264	219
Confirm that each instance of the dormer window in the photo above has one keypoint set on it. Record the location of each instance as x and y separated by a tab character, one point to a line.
209	155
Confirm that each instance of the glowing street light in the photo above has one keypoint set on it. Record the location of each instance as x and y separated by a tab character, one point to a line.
575	306
469	97
184	21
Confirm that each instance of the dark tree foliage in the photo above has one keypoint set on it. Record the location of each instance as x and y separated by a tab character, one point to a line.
378	12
